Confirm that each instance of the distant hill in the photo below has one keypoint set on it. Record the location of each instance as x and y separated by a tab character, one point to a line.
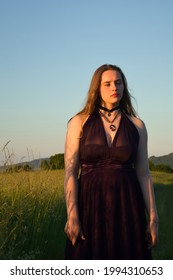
166	160
34	164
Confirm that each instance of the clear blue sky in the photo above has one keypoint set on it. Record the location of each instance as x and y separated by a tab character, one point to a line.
49	50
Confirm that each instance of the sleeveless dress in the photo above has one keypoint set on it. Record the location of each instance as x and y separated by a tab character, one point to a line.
111	205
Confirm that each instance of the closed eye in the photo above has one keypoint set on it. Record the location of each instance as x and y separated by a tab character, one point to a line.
118	82
107	84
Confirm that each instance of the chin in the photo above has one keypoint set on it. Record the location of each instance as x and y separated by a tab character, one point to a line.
115	103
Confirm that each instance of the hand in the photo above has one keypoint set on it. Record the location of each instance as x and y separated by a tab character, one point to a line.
73	230
152	233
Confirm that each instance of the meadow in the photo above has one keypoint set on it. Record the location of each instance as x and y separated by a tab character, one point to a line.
33	215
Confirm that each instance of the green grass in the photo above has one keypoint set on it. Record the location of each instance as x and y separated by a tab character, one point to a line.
33	215
163	185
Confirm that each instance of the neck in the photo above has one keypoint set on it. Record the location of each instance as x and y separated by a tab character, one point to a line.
109	109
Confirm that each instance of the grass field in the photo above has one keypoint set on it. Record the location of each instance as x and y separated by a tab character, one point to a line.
163	185
33	215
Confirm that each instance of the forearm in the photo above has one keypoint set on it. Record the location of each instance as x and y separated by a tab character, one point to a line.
148	195
71	194
73	227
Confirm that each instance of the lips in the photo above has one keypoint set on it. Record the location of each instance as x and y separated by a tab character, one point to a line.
114	95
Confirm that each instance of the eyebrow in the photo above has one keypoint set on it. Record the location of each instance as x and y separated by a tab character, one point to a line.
105	82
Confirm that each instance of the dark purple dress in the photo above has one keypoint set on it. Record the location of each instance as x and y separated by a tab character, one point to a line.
111	206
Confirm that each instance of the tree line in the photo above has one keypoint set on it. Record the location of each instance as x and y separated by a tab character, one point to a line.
54	162
160	167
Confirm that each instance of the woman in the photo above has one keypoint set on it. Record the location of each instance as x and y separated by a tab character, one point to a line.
108	186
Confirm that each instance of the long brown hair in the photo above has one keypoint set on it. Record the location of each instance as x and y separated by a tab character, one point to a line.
93	97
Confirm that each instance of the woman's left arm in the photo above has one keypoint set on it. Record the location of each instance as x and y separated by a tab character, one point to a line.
145	180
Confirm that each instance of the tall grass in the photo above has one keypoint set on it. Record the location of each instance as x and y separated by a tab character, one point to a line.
33	215
163	185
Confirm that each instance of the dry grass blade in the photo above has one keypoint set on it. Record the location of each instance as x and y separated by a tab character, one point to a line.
6	145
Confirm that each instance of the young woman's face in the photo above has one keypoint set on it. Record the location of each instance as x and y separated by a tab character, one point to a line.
111	88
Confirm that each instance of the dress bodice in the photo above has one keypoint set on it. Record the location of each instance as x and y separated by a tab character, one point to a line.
94	148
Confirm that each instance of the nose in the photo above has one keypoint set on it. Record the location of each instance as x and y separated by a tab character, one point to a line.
114	86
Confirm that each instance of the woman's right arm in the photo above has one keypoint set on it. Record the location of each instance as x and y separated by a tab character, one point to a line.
71	156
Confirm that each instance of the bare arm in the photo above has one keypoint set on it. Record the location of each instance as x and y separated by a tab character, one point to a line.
71	156
145	180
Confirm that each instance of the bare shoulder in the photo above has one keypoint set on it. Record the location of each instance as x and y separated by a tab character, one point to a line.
140	125
75	125
77	121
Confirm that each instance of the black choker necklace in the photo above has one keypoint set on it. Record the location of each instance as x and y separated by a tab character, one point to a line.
109	111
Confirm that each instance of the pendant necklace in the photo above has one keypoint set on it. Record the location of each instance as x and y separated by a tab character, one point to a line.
112	126
109	110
